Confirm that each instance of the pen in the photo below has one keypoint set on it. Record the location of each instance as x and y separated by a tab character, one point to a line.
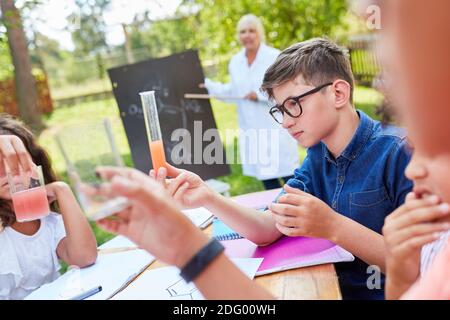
87	293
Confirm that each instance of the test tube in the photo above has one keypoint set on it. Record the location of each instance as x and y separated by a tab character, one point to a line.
153	129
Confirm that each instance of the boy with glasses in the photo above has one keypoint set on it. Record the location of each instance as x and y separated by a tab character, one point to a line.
352	177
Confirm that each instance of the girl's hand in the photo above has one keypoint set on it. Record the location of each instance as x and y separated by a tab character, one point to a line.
54	189
410	227
13	154
152	221
185	187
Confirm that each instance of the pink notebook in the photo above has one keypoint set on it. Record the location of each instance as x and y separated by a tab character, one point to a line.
257	200
288	253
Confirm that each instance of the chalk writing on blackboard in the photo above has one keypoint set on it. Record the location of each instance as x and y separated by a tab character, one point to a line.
170	77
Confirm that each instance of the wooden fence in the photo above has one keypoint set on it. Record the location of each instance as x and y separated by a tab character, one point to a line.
364	59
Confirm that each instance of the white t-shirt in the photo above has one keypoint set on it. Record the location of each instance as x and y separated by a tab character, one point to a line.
28	262
429	251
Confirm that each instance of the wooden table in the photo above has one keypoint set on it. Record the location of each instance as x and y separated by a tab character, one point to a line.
310	283
316	282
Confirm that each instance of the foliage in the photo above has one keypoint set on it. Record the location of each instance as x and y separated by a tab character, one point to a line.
165	37
210	26
7	69
89	26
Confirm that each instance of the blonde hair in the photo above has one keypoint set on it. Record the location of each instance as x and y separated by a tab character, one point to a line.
253	21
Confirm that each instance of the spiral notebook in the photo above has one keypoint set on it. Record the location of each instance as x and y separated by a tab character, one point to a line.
223	232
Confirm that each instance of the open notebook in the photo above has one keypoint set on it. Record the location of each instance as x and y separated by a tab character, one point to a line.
288	253
119	262
112	271
166	283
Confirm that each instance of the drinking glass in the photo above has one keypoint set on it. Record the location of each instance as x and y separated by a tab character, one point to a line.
85	147
28	195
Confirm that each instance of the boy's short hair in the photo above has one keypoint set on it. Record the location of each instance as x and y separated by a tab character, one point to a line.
318	61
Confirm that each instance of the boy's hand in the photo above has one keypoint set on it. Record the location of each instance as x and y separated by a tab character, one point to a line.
406	231
185	187
298	213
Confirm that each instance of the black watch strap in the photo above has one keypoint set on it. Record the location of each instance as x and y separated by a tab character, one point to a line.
201	260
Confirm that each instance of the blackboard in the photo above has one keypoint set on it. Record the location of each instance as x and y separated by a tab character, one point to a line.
170	77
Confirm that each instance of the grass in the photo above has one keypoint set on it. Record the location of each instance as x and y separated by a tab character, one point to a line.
225	115
366	99
80	89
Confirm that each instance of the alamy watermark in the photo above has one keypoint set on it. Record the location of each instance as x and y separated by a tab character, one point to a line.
259	147
375	276
373	20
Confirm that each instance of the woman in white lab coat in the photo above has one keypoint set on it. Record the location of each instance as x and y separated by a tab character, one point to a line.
267	151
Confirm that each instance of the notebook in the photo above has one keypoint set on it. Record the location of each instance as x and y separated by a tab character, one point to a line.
112	271
288	253
222	232
166	284
201	217
258	200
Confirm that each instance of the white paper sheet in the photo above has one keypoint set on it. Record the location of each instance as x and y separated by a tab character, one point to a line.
111	271
118	242
201	217
166	284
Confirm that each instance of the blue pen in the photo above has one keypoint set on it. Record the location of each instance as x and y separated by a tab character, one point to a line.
88	293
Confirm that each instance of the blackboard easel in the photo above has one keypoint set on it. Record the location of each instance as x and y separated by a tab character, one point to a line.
171	77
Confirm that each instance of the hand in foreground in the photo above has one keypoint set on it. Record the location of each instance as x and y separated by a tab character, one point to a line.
406	230
152	221
185	187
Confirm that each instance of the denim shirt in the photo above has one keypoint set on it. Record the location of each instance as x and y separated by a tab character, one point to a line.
365	183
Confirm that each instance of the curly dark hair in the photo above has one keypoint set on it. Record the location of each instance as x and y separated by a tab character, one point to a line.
11	126
386	113
385	110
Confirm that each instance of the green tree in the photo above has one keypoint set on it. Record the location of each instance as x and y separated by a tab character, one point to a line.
89	30
210	26
44	48
26	91
7	69
165	37
285	21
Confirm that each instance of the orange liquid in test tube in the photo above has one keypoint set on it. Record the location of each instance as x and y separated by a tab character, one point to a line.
157	153
153	129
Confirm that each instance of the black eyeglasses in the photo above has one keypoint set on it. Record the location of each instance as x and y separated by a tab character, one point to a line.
292	105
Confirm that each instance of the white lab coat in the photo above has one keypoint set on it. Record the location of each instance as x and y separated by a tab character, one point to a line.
266	149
